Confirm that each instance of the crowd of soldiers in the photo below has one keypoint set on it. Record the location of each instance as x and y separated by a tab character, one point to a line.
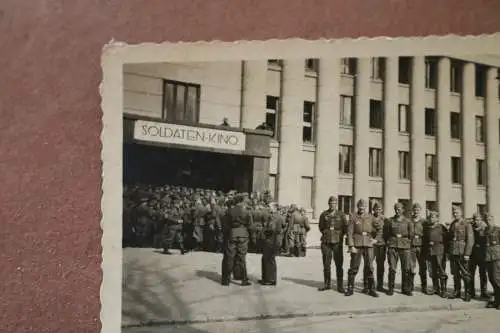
168	217
467	244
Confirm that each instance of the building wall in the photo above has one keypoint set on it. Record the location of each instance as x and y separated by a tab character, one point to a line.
221	96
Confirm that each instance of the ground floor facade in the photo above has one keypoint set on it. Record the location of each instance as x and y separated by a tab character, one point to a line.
410	129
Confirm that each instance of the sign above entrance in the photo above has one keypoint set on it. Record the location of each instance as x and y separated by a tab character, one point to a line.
188	135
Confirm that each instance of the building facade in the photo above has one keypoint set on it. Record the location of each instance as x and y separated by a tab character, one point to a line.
407	129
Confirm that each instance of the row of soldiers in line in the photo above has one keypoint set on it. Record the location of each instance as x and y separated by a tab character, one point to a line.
169	216
428	243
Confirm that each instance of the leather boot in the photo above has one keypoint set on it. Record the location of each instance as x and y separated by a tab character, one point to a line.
493	303
457	288
391	278
444	287
407	284
340	281
328	280
365	283
423	282
412	282
380	280
483	285
350	285
435	286
467	290
371	287
472	286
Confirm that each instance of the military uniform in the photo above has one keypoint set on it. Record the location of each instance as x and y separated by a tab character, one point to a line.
398	236
300	228
361	231
173	229
477	258
416	253
433	248
272	233
461	243
333	227
379	249
257	228
492	259
237	228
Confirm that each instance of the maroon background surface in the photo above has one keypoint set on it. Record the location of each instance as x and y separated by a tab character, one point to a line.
50	120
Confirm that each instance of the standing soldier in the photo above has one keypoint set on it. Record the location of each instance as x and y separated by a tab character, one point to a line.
380	250
333	226
461	242
288	237
173	227
237	228
398	235
416	255
256	236
361	233
433	248
492	259
300	229
478	256
273	225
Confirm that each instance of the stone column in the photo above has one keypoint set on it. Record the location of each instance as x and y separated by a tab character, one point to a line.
327	134
361	130
290	135
391	130
417	136
254	85
443	140
469	186
492	145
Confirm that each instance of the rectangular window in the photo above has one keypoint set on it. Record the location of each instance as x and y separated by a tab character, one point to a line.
481	209
404	165
346	159
404	70
481	172
404	118
431	168
455	125
308	122
480	137
181	101
480	80
372	201
430	122
430	73
345	204
272	186
375	162
377	68
346	111
275	62
376	114
312	65
456	77
307	188
272	106
348	66
456	170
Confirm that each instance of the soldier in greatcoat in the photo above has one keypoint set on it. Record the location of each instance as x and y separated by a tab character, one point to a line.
237	227
272	229
398	234
333	227
461	243
379	248
361	233
416	254
492	259
433	248
173	226
477	257
300	229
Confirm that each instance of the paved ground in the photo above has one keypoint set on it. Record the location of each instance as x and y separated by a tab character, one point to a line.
173	289
460	321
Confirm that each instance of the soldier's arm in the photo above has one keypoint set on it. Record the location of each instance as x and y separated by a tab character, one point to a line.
469	243
411	229
306	222
386	230
321	223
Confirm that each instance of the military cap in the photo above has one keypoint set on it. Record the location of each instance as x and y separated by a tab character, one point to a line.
376	205
398	205
417	205
361	203
332	198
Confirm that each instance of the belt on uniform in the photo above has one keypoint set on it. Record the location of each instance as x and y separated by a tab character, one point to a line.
364	233
399	235
332	228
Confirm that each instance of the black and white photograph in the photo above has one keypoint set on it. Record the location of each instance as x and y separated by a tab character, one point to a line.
322	194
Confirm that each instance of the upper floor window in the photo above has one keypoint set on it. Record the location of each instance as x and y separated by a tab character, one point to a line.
181	101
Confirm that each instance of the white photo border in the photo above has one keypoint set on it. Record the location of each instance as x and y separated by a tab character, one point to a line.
116	54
